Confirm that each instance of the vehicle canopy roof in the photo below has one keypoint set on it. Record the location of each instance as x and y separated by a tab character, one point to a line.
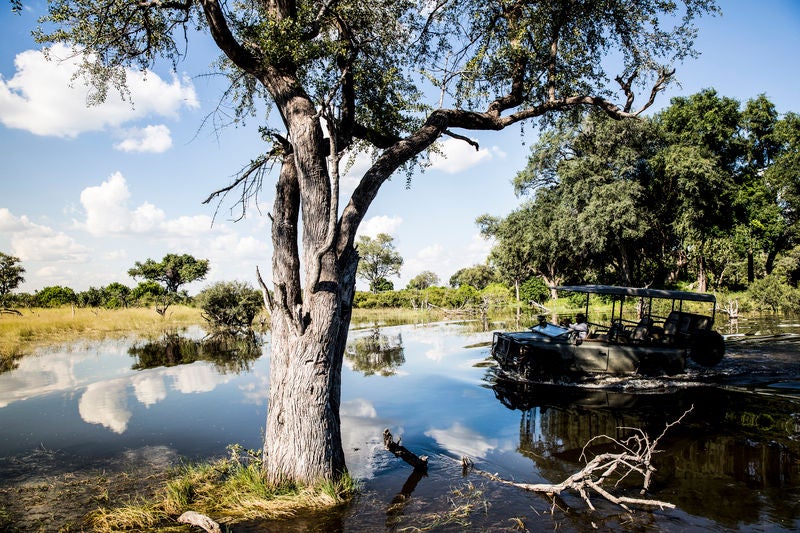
612	290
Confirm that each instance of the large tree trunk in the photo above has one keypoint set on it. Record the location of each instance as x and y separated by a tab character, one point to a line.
303	439
309	333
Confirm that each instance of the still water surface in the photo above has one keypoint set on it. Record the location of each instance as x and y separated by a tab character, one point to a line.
733	463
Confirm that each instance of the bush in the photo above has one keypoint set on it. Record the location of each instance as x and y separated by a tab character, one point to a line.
55	296
230	305
534	289
769	292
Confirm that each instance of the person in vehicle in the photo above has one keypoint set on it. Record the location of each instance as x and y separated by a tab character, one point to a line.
580	326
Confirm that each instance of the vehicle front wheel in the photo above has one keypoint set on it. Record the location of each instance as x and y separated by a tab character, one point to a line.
708	347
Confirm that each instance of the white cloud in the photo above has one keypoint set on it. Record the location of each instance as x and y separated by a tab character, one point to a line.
361	437
149	388
108	213
462	441
155	139
457	155
106	206
187	226
197	377
478	249
380	224
35	242
105	403
147	218
42	97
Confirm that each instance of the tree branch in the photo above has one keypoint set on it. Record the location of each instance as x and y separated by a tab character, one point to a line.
268	303
224	38
330	236
635	456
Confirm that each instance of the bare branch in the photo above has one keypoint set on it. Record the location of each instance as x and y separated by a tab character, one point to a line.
635	456
268	304
663	78
462	138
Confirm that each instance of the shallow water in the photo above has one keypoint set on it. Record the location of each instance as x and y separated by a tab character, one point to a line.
733	462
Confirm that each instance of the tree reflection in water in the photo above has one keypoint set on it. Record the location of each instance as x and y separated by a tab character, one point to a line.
376	353
734	460
230	353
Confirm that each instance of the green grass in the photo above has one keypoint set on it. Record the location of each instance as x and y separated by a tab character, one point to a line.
38	327
229	491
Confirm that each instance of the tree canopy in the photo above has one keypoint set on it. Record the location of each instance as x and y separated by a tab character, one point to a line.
172	271
10	274
645	202
379	260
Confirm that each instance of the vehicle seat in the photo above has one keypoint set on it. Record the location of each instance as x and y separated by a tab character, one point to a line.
642	330
671	324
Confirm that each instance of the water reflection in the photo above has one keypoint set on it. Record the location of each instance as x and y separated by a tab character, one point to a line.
734	459
228	352
733	463
376	353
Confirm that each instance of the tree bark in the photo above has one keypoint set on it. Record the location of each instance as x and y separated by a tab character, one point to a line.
309	335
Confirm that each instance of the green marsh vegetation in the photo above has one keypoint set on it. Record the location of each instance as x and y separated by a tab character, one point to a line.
20	334
231	490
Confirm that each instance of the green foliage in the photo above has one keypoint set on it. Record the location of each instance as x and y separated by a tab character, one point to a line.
477	276
381	285
10	274
534	289
147	292
423	280
230	305
694	191
378	260
172	272
55	296
386	299
116	295
771	293
496	295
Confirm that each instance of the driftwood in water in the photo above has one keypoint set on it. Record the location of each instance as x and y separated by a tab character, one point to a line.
418	462
635	455
199	520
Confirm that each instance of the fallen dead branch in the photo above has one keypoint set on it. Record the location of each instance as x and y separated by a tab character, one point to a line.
418	462
635	457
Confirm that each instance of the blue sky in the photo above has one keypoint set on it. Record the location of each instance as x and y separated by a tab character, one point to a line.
86	192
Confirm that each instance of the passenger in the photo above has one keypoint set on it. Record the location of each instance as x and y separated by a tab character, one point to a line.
580	326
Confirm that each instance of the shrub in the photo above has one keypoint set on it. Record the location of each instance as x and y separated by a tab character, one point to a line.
230	305
55	296
534	289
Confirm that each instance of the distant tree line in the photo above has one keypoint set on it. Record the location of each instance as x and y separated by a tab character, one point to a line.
228	306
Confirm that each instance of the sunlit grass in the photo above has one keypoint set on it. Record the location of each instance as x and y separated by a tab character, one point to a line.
228	490
392	316
36	327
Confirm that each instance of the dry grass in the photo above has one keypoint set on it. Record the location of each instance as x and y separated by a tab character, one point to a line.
229	490
20	335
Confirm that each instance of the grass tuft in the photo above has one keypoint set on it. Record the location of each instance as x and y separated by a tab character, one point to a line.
228	490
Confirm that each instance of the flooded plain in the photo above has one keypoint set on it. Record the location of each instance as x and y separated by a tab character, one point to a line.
93	423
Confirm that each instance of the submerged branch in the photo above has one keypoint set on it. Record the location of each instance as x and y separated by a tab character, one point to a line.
634	457
418	462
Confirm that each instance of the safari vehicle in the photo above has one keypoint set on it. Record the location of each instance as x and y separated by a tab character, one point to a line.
659	341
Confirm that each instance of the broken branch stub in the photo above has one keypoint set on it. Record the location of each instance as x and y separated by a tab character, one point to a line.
418	462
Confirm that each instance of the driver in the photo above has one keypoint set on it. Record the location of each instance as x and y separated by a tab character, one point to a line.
580	326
